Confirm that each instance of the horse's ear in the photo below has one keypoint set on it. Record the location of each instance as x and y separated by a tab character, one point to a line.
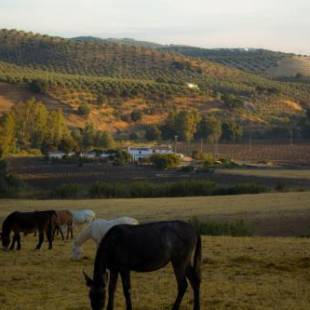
89	281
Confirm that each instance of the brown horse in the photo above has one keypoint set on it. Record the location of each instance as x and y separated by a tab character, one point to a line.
27	222
64	217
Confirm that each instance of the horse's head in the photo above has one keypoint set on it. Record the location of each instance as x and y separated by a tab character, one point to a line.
5	238
97	293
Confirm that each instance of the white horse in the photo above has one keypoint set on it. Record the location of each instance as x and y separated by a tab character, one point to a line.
81	217
96	231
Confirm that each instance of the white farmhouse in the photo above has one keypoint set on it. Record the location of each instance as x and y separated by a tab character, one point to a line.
163	149
56	155
88	155
138	153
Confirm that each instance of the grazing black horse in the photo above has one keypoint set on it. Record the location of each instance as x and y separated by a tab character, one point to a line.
143	248
27	222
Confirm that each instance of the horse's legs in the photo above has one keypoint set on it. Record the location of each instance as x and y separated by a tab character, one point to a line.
194	280
18	241
54	231
49	236
69	230
41	239
61	233
13	241
67	236
182	285
112	287
126	288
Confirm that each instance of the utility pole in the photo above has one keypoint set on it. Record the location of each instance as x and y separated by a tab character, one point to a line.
201	145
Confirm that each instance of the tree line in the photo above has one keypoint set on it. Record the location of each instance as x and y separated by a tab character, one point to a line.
190	125
29	125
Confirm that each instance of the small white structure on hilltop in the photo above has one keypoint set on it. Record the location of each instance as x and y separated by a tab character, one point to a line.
138	153
192	86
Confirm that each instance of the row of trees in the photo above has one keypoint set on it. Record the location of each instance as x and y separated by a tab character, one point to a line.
30	125
189	125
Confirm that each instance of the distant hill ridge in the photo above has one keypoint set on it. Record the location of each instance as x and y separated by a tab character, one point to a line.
255	60
117	76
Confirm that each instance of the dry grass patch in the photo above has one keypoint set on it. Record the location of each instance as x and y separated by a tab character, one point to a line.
237	273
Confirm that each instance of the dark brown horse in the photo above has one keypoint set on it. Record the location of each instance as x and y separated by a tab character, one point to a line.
143	248
27	222
64	218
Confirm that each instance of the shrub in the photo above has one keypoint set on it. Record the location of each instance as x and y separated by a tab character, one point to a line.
165	161
121	157
9	185
203	156
209	160
149	189
241	189
136	115
187	169
84	109
152	133
215	228
67	191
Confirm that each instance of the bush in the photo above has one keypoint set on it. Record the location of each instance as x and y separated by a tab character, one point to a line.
67	191
209	160
84	109
212	228
121	158
136	115
148	189
227	163
203	156
9	185
171	189
187	169
152	133
165	161
242	189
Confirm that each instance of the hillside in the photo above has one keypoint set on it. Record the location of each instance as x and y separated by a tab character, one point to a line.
269	63
115	79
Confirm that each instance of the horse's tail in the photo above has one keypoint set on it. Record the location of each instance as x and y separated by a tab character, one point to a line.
197	257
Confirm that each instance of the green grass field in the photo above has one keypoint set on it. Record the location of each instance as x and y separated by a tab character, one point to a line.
237	273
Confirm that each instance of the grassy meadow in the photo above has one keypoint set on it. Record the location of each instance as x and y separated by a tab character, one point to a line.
237	273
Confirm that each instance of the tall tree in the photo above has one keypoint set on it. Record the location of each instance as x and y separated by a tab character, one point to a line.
186	124
7	135
210	128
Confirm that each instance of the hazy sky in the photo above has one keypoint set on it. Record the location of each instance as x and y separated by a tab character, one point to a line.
274	24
